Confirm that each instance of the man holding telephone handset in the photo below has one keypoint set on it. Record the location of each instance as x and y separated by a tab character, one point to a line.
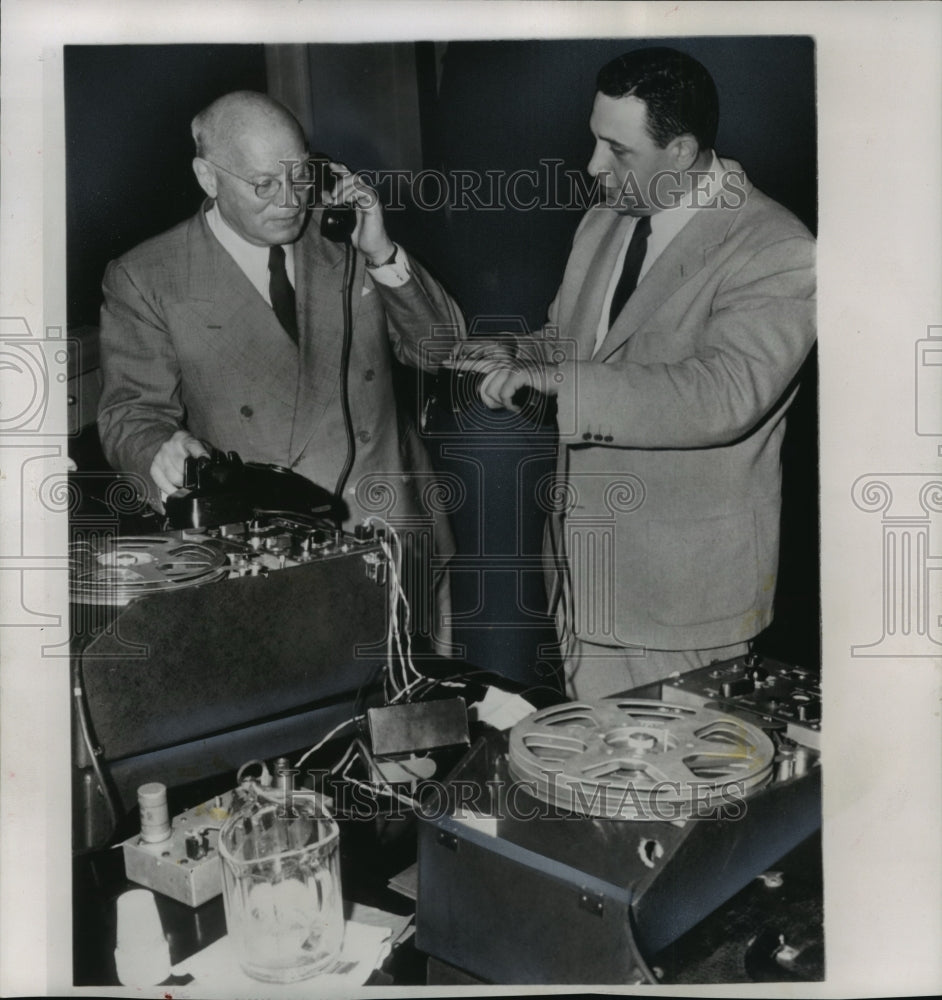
247	329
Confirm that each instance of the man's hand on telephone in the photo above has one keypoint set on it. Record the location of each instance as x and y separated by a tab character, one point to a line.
369	236
168	466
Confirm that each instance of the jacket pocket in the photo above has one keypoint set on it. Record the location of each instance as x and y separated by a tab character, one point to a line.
702	571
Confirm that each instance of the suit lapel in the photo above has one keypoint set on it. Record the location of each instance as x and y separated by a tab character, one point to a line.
237	323
681	259
597	264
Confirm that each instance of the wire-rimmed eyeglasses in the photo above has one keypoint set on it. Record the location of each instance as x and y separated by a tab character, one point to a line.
268	187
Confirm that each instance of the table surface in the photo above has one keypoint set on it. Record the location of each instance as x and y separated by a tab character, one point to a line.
737	943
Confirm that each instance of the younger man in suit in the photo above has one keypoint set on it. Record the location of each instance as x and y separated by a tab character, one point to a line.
689	299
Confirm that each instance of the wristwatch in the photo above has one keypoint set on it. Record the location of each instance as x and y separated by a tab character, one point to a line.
390	260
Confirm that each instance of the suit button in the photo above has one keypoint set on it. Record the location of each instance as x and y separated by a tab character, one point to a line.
586	436
369	375
598	437
364	436
246	411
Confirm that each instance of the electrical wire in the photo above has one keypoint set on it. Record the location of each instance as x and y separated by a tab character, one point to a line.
248	764
383	789
344	759
81	712
317	746
398	684
380	784
349	265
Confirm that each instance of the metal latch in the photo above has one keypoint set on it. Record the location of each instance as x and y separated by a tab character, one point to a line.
447	839
593	902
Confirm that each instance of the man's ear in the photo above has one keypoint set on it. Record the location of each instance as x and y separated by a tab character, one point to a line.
684	150
205	175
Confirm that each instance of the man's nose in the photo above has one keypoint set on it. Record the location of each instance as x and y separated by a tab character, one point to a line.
597	162
291	197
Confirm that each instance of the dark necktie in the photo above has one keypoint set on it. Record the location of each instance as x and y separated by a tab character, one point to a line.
282	294
634	258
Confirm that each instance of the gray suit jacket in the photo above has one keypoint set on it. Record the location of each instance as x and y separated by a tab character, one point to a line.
187	341
670	436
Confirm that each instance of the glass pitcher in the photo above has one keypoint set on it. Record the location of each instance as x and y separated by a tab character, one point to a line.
281	886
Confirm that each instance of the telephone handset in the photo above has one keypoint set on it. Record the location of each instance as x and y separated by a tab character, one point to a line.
337	222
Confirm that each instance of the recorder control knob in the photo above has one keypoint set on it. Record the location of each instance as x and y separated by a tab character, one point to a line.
196	845
732	689
810	712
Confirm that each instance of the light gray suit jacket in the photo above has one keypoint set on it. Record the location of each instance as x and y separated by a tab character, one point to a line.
670	436
187	341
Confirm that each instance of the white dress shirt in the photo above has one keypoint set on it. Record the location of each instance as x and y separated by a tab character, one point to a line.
253	260
665	225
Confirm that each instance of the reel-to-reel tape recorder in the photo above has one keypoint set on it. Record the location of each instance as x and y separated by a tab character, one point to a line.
597	833
237	633
115	571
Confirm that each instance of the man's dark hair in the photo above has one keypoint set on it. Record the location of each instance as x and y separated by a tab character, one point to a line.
679	93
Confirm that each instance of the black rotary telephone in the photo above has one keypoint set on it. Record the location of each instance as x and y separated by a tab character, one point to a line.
221	488
338	222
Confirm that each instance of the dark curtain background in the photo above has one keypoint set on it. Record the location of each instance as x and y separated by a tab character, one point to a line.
128	147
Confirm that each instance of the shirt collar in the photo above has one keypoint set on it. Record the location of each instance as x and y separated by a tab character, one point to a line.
237	245
668	222
252	259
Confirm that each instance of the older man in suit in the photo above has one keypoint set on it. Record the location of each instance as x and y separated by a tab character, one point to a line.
244	328
672	347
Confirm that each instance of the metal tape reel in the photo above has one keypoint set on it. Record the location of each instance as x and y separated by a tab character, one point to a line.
624	758
115	571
